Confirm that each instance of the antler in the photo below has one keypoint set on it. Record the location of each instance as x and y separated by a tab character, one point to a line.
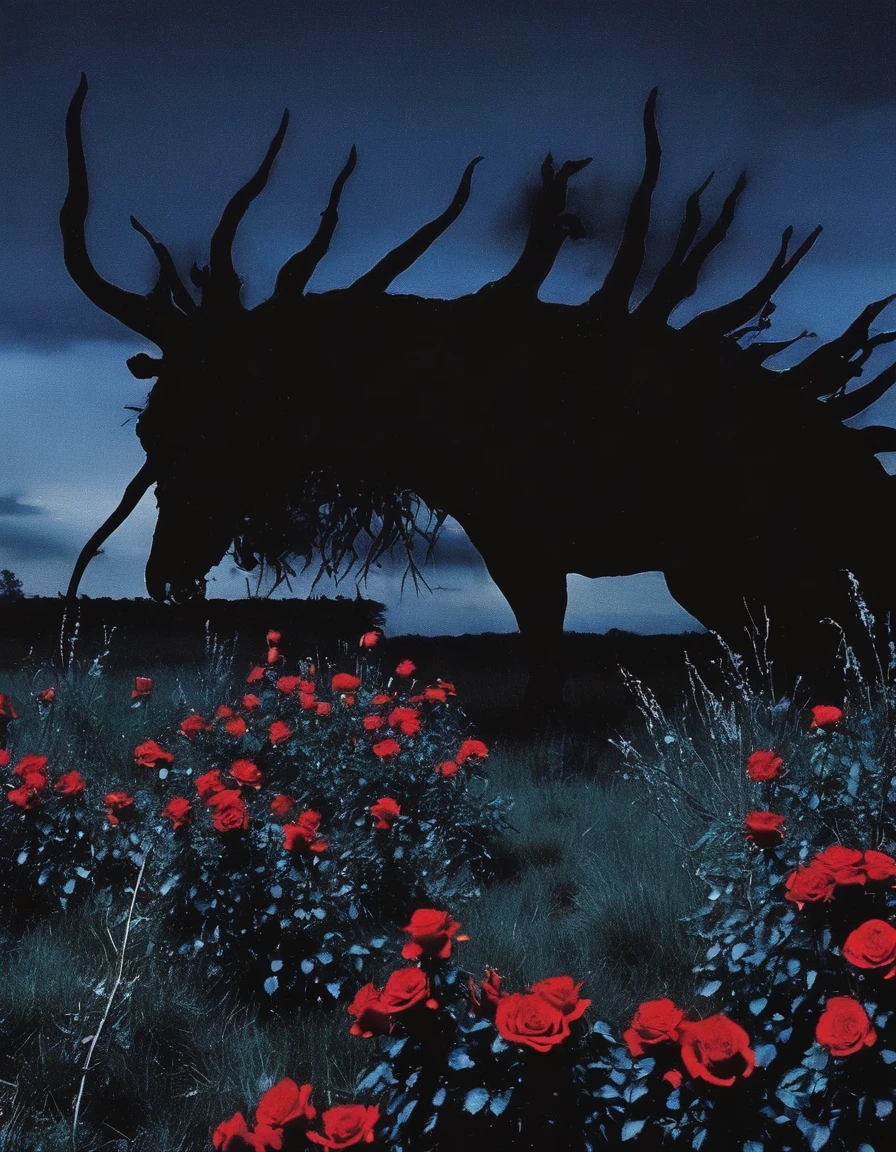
148	315
831	366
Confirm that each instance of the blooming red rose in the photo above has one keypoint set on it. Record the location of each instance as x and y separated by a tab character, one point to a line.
307	701
447	768
150	755
119	806
25	796
233	1135
255	675
401	715
302	834
370	639
281	805
764	829
287	684
193	725
371	1017
229	811
179	811
384	748
563	993
381	698
471	748
70	784
345	682
273	637
405	989
526	1018
223	712
31	765
372	721
809	884
386	810
405	668
844	1028
764	765
323	708
209	783
235	726
46	696
247	773
654	1022
844	865
142	687
251	701
447	685
717	1050
872	945
435	693
279	731
825	716
346	1124
285	1103
878	866
430	931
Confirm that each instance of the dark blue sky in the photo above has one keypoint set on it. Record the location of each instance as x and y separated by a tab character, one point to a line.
183	99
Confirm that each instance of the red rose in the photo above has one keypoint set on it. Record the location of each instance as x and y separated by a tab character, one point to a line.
285	1103
563	993
471	748
31	765
307	701
405	989
287	684
430	931
70	784
764	829
209	783
825	716
764	765
401	715
654	1022
142	687
348	699
434	693
279	731
345	1125
879	866
717	1050
386	810
46	696
484	998
370	639
673	1077
281	805
843	865
4	757
872	945
247	773
150	755
381	698
373	721
844	1028
405	668
179	811
345	682
251	701
274	656
119	806
223	711
7	711
447	685
809	885
447	768
255	675
229	811
25	796
302	834
371	1018
384	748
233	1135
323	708
273	637
193	725
236	726
525	1018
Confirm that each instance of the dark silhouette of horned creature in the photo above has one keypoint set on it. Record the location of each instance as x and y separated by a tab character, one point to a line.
593	438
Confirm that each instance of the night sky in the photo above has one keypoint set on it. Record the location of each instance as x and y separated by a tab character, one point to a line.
184	98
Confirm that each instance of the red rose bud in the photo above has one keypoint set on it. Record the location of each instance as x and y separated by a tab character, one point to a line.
281	806
471	748
654	1022
406	668
809	884
119	806
372	722
717	1050
381	698
142	687
251	702
150	755
764	829
370	639
844	1028
483	1000
179	811
255	675
764	765
447	686
673	1077
273	638
345	682
45	697
287	684
235	726
323	708
345	1125
283	1104
524	1018
307	701
193	725
70	784
386	811
447	768
223	711
371	1017
825	716
430	931
872	945
246	773
274	656
279	731
385	748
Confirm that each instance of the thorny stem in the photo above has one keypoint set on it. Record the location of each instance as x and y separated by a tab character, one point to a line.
108	1009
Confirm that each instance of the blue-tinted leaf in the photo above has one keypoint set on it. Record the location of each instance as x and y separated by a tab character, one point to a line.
631	1128
334	988
710	988
883	1108
499	1045
307	966
816	1058
888	1056
758	1004
765	1053
439	1099
69	887
602	1029
753	1146
276	965
499	1102
404	1115
459	1059
607	1092
793	966
271	985
475	1100
739	950
810	978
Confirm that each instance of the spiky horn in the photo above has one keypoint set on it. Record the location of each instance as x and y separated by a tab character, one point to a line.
852	403
169	280
821	372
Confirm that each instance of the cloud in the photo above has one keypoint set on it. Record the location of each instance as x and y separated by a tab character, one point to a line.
12	506
18	543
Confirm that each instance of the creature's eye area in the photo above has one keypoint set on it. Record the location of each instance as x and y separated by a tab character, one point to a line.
144	367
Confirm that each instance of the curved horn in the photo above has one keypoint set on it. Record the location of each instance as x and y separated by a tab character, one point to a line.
169	280
129	501
130	308
220	259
